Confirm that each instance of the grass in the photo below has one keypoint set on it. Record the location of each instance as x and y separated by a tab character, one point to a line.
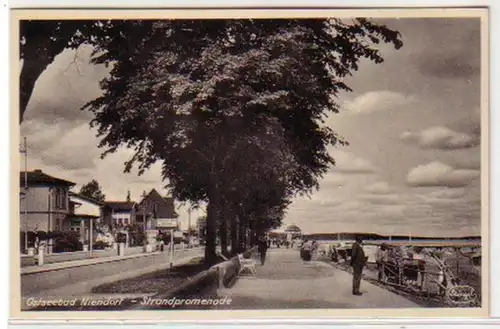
158	281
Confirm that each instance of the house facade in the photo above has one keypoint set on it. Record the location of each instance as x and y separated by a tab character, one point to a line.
85	215
44	204
156	213
117	214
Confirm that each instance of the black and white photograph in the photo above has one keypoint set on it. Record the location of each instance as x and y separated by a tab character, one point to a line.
250	161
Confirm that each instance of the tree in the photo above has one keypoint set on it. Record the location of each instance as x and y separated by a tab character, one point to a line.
42	40
93	190
193	97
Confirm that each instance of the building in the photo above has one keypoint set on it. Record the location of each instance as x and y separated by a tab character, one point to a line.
156	213
201	226
117	214
44	204
85	215
293	231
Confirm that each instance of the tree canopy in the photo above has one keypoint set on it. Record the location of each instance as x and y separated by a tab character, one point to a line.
233	109
93	190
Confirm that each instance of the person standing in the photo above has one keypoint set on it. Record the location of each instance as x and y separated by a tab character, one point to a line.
262	248
382	257
358	261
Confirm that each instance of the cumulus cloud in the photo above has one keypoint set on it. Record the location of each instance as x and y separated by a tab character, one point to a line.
379	188
440	138
348	163
440	174
375	101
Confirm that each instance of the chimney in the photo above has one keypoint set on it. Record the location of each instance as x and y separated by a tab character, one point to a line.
38	171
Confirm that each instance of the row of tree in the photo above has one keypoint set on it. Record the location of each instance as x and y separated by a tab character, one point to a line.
233	109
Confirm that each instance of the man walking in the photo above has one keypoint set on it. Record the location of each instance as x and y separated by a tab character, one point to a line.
262	248
358	261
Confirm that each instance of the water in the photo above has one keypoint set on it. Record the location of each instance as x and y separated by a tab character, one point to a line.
416	242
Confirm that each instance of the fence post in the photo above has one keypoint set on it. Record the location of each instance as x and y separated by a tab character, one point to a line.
41	254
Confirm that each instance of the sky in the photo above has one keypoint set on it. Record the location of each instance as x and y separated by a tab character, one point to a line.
413	125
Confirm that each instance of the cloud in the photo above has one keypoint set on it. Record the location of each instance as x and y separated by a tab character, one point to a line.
470	123
450	66
440	138
439	174
382	199
348	163
460	58
379	188
67	84
375	101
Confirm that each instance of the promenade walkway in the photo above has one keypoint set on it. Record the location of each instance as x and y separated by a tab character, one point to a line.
285	281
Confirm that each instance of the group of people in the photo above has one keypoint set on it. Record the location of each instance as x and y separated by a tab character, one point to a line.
278	243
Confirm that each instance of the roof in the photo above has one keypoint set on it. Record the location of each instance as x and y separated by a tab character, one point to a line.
37	177
293	228
119	205
91	200
163	207
82	216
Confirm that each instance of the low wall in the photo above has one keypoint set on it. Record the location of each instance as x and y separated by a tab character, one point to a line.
204	284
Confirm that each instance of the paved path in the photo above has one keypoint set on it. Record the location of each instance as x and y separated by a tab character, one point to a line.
285	281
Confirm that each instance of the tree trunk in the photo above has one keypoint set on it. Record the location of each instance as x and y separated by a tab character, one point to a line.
35	62
234	235
242	234
223	234
210	239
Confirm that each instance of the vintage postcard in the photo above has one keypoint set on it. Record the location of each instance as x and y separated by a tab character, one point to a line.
238	164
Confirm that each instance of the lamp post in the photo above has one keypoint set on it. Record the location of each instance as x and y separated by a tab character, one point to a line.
189	227
144	220
24	150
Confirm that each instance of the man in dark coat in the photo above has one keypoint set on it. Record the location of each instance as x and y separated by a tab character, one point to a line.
262	248
358	261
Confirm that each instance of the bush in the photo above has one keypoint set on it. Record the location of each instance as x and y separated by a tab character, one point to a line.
100	245
31	239
121	238
68	242
42	235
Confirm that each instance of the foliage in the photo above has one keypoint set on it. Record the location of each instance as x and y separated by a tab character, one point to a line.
31	239
121	238
241	101
67	242
42	40
93	190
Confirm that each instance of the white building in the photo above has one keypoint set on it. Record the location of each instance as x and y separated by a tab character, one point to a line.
85	213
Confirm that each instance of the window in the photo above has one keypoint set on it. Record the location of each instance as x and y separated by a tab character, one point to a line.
125	221
61	198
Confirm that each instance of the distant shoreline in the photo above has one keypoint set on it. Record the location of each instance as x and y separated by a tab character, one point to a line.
372	236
